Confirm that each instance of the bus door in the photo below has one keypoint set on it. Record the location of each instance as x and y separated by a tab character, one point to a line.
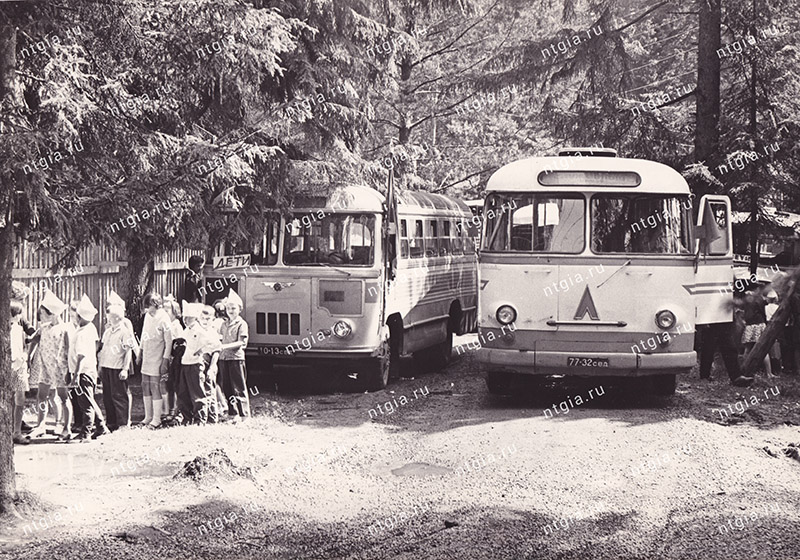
712	289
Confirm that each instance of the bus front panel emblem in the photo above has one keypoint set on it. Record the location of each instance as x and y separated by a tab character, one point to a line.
586	305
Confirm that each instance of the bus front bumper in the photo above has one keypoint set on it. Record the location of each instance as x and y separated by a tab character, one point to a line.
625	364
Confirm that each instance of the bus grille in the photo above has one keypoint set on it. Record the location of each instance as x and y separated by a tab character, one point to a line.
278	323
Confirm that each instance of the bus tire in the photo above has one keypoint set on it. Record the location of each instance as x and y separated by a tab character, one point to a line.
376	370
499	382
664	385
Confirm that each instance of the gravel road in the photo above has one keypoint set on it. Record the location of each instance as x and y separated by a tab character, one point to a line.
447	472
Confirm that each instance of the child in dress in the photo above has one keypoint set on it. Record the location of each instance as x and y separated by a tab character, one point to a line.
49	366
156	350
231	362
19	371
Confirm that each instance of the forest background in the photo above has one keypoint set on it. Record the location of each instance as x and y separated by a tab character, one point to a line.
224	109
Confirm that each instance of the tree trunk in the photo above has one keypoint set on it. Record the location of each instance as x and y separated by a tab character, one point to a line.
754	358
8	488
706	139
135	281
754	253
754	232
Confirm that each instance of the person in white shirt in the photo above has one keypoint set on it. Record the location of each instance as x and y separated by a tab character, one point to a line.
195	389
86	340
114	361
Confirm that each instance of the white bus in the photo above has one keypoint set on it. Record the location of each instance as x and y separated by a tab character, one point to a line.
598	271
353	281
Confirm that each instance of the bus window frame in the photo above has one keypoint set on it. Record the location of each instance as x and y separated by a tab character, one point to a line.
689	226
405	251
417	242
319	223
511	195
445	232
457	242
432	238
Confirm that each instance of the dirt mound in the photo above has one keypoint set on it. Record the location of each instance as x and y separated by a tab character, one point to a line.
215	464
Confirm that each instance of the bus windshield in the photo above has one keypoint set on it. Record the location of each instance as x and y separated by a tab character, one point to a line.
263	250
339	239
652	224
548	223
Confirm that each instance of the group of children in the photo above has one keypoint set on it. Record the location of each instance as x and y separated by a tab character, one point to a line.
191	361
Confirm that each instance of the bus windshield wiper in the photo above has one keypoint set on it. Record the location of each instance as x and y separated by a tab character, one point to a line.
626	263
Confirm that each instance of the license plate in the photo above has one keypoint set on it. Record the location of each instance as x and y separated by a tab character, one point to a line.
573	361
273	350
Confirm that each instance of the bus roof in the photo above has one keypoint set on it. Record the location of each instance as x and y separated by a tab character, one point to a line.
568	173
343	198
358	198
414	201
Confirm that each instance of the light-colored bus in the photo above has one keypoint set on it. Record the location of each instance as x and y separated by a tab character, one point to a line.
598	270
351	280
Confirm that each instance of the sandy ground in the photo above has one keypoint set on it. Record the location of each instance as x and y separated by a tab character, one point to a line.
452	473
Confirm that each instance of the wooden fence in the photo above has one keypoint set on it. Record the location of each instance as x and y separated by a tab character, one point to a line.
96	274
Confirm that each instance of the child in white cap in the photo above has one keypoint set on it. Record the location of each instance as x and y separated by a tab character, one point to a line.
49	364
231	361
114	361
86	340
195	388
115	299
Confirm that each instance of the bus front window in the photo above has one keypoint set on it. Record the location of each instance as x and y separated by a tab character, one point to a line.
652	224
263	251
336	239
534	223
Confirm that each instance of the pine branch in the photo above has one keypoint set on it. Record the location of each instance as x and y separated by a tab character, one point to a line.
456	39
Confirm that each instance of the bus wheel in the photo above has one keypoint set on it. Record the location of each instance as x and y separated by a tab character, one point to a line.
376	370
664	385
499	382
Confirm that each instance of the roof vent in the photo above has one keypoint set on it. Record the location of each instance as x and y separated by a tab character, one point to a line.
593	152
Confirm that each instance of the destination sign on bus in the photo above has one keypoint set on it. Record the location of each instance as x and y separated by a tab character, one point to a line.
589	179
231	261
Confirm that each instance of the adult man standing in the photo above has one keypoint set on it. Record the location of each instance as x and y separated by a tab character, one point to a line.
194	280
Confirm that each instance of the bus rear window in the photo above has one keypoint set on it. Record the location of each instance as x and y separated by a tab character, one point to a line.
534	223
651	224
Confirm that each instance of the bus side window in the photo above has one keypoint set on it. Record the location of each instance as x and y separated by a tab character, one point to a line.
718	220
432	240
458	227
417	244
469	243
444	242
403	239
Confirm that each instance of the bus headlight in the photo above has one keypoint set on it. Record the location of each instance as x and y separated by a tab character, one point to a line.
342	329
665	319
506	314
